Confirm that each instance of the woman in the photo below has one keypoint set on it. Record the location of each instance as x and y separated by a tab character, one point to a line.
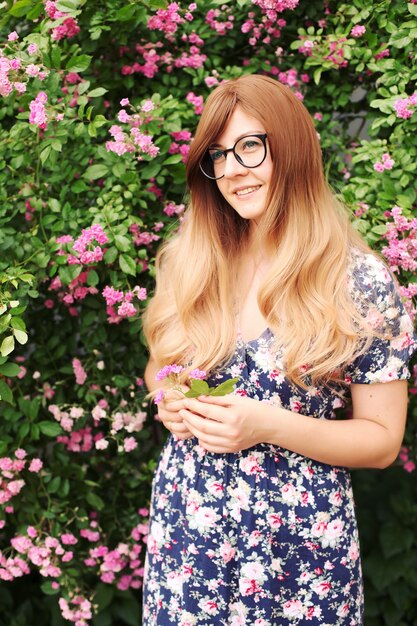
252	517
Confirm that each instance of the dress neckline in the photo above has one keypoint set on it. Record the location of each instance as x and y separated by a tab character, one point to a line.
267	331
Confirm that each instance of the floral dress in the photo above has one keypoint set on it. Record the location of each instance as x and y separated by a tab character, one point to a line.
266	536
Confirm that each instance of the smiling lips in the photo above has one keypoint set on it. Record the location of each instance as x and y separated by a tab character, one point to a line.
246	190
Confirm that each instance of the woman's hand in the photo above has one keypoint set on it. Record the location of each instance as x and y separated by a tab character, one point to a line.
226	423
168	412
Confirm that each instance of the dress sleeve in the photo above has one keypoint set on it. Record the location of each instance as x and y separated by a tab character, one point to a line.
376	294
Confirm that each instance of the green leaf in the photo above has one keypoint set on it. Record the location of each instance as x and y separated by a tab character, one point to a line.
127	264
95	501
50	429
110	255
92	278
54	485
95	93
198	388
9	369
96	171
79	63
224	388
412	8
122	243
7	345
5	392
150	170
174	158
20	8
125	13
20	335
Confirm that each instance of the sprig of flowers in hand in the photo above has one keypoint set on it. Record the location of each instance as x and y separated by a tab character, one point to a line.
198	386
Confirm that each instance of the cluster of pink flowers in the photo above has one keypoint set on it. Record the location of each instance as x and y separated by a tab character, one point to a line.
67	417
290	78
79	372
404	106
337	53
155	59
125	308
15	70
405	460
135	140
46	553
78	609
168	370
79	440
387	163
38	115
277	6
361	209
268	28
83	246
76	291
306	47
67	28
358	30
122	565
183	148
173	373
142	238
11	483
222	25
173	209
401	251
130	421
167	20
197	101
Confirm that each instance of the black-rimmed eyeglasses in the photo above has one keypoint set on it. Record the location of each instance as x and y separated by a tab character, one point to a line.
249	151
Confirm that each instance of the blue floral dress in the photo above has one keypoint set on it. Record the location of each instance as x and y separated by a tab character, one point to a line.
266	536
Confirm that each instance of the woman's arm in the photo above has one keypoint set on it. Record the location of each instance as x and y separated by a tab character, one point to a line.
371	439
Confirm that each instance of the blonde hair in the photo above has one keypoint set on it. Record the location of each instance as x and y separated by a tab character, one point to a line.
306	233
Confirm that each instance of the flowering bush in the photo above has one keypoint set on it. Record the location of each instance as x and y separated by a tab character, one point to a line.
98	103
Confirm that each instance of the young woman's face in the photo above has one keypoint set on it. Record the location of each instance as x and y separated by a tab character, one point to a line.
244	188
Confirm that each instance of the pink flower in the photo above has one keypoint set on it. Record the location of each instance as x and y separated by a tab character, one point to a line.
79	371
167	370
13	36
199	374
124	102
130	444
126	310
32	48
358	30
68	539
159	396
32	70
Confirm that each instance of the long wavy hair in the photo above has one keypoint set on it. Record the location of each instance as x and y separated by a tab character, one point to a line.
304	231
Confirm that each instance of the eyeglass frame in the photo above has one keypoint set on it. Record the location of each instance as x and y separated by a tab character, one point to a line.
261	136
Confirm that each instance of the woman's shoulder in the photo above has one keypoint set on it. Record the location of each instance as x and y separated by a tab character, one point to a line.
366	268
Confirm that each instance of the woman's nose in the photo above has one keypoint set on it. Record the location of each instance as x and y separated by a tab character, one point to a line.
232	167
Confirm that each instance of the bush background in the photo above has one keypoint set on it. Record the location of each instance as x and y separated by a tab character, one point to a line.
58	177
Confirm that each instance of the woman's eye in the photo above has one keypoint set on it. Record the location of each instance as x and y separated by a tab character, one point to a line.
250	144
216	155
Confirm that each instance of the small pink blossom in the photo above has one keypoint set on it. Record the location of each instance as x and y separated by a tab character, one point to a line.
35	465
13	36
358	30
130	444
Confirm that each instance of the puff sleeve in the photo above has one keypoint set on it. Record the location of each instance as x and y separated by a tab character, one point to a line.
375	293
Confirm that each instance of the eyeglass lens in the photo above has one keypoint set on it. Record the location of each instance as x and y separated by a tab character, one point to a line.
249	151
